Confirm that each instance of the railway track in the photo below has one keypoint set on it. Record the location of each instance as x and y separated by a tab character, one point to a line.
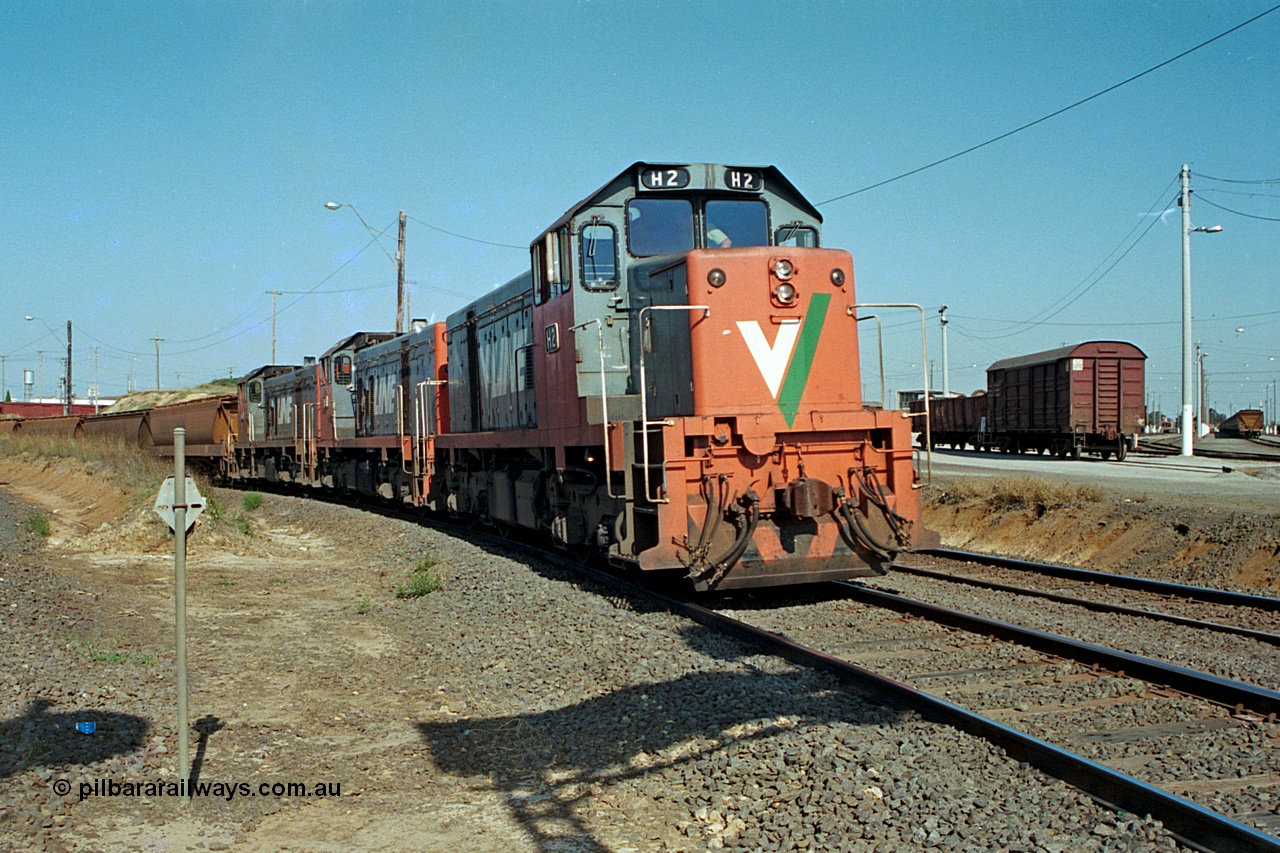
1075	711
1243	614
1262	450
1115	724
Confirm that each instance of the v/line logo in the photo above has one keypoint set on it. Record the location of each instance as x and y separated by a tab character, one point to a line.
785	364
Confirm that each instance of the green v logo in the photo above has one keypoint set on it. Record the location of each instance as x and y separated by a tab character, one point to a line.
785	364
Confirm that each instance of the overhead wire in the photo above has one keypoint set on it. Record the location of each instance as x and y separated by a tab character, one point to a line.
465	237
1238	212
1053	114
1058	306
1238	180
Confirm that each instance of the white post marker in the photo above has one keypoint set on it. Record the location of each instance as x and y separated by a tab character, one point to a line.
172	505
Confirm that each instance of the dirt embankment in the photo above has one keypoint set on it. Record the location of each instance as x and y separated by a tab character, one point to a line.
1085	526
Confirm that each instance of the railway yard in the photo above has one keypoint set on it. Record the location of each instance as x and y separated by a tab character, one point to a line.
526	706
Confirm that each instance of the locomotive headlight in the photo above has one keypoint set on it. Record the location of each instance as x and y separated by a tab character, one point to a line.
786	294
716	278
783	270
837	277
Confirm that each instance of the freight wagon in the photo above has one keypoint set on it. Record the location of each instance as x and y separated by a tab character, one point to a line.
1086	398
1246	423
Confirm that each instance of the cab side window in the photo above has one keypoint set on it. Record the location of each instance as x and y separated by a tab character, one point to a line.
796	234
342	370
255	392
598	261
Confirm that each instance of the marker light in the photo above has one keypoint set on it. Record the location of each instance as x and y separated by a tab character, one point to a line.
783	270
837	277
716	278
786	294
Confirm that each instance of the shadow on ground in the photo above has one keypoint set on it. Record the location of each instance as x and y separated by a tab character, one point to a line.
41	738
549	764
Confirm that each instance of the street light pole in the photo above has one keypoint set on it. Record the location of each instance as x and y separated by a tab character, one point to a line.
400	278
399	258
1187	449
70	399
1184	200
946	379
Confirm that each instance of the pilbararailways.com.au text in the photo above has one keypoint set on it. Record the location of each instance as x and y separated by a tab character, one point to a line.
223	790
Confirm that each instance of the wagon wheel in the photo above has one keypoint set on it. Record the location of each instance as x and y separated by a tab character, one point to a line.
1106	454
1122	449
1075	451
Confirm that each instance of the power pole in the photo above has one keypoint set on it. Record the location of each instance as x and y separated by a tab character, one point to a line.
157	342
1203	408
40	372
67	409
95	380
946	379
1185	202
400	279
274	294
4	386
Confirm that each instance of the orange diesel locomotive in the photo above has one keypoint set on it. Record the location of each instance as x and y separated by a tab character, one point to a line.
673	384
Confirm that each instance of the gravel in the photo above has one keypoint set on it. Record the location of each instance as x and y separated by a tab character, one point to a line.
587	721
1155	737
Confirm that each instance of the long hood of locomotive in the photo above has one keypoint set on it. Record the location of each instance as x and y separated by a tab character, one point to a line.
780	354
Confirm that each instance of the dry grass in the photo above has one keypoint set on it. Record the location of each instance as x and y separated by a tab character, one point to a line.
134	472
1030	493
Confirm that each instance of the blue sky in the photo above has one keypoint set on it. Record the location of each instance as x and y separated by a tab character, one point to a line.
163	165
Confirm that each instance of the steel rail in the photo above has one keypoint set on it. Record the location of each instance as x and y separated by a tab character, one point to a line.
1190	823
1100	606
1198	593
1222	691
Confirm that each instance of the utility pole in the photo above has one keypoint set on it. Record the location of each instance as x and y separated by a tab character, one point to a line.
400	278
67	409
40	372
946	379
1185	202
274	294
4	386
1204	407
157	342
95	380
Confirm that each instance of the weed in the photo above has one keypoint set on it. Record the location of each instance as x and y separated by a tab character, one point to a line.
214	508
39	525
365	605
251	501
423	580
223	581
105	651
36	749
1031	493
244	527
134	472
277	581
